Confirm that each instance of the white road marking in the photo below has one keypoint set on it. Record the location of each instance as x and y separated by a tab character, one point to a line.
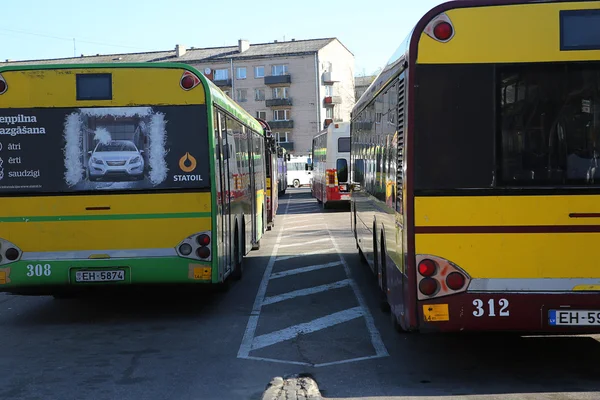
375	337
305	243
306	292
318	324
310	253
304	233
295	228
302	270
246	345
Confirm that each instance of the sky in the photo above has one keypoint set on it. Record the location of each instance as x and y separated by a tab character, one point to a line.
39	29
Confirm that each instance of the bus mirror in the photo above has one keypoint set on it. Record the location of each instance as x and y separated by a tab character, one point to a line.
288	156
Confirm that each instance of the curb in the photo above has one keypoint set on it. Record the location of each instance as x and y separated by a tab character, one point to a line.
294	387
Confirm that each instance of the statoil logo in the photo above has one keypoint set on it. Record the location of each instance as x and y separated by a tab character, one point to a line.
188	164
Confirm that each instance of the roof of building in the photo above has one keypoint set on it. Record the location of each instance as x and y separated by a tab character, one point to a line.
214	54
364	80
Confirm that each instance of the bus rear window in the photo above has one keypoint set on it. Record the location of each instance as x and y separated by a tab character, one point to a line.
62	150
342	170
344	145
550	125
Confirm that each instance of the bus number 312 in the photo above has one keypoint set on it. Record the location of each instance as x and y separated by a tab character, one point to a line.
39	270
480	309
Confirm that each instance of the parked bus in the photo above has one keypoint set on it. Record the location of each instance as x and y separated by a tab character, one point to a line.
331	156
108	180
271	173
298	173
282	169
475	155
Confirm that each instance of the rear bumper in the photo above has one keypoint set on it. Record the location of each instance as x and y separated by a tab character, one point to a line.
46	276
517	312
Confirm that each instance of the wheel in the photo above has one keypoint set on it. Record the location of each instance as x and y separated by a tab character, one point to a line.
296	183
384	305
238	269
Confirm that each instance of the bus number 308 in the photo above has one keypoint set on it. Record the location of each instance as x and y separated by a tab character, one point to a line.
39	270
480	309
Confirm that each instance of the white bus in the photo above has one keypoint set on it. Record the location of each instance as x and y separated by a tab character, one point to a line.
331	161
297	175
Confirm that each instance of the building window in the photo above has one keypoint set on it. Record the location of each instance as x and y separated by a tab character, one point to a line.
282	115
259	72
280	93
281	137
329	90
277	70
329	113
259	94
241	95
221	74
261	115
241	73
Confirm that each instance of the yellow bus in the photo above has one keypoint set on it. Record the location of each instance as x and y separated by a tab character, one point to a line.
475	155
124	174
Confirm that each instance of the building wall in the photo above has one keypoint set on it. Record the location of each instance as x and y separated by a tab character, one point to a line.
338	60
301	91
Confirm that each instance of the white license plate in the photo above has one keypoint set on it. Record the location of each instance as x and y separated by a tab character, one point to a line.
574	317
100	276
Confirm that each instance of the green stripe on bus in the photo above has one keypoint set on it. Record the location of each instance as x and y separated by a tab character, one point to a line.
66	218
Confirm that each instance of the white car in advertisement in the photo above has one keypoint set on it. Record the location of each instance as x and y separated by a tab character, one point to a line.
116	159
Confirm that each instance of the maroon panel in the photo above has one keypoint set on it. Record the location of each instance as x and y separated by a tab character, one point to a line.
525	312
508	229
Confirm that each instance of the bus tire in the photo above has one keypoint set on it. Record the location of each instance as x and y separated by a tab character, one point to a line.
238	263
296	183
375	256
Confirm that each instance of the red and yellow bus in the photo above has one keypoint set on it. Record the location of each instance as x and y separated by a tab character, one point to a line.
331	156
475	152
124	174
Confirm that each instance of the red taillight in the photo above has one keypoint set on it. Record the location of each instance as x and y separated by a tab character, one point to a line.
203	252
203	240
427	267
443	31
428	286
455	281
3	86
189	81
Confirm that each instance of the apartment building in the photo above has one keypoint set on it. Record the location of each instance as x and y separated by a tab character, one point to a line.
361	84
298	86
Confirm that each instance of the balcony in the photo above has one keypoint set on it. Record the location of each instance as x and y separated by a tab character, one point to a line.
329	78
278	102
289	146
330	101
278	79
281	124
223	82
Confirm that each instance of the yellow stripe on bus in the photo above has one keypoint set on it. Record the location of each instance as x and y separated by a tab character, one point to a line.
505	210
57	88
505	34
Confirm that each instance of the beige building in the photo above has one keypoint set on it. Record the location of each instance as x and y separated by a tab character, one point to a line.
298	86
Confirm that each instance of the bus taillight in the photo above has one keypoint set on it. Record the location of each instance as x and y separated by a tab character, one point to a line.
427	267
439	277
203	240
440	28
443	31
189	81
428	286
203	252
3	85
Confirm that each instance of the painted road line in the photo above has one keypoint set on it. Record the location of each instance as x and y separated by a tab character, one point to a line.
294	228
310	253
302	270
304	233
305	243
246	345
375	336
306	292
318	324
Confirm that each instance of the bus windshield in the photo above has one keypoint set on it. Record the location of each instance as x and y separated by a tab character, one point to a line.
105	148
